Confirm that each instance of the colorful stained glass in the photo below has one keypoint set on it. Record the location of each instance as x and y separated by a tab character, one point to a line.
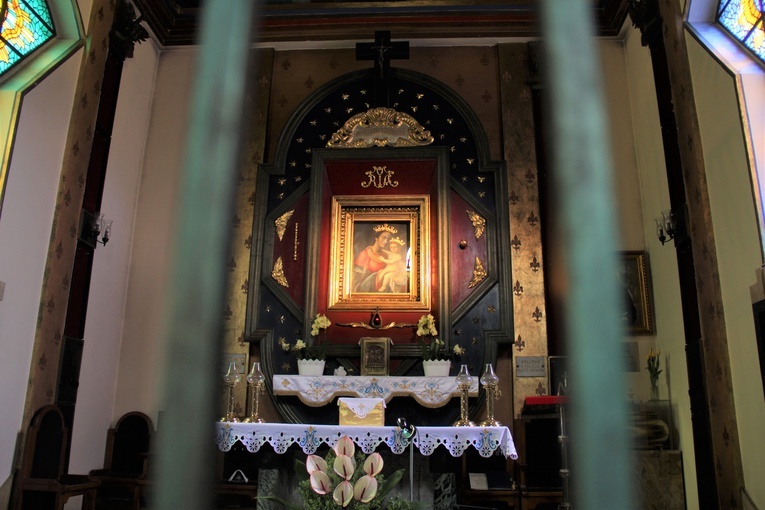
27	26
744	20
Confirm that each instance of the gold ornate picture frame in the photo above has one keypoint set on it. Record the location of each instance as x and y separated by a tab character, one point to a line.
635	284
380	253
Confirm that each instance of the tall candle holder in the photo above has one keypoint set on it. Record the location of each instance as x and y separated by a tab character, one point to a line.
490	383
255	381
463	383
231	378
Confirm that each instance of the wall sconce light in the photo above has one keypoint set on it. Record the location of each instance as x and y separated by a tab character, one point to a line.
102	227
666	226
95	228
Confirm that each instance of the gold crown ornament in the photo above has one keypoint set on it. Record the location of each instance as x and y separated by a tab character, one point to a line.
385	228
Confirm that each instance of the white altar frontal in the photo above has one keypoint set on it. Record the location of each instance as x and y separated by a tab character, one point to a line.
320	390
281	436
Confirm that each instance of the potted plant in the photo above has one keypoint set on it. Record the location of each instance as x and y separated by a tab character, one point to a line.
312	357
436	361
346	479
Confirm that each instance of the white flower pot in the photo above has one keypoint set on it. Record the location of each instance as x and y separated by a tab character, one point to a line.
311	366
436	368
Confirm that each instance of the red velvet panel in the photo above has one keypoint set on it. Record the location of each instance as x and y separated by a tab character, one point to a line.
414	177
294	268
463	261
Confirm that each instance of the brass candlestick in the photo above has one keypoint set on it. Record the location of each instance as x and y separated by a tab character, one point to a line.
490	383
255	381
463	383
231	378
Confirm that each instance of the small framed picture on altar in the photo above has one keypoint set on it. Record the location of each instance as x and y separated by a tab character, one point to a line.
375	355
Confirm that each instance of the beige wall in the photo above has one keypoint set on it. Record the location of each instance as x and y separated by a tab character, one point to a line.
738	248
669	338
25	225
98	399
142	355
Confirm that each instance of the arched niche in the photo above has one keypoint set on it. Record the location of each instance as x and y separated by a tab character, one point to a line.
463	279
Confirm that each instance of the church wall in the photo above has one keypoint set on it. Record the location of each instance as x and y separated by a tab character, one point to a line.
669	338
142	356
737	246
25	226
98	405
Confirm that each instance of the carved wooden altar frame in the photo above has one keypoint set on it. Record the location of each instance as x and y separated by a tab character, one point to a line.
469	283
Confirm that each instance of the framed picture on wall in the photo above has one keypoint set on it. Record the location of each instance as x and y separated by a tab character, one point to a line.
635	284
380	253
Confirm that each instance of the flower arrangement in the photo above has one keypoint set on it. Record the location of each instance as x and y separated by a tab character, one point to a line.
320	322
317	350
344	478
435	349
427	326
653	364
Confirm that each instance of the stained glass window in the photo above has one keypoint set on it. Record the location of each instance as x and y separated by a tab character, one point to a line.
27	26
744	20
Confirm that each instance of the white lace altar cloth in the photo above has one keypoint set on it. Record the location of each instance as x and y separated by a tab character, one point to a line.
486	440
316	391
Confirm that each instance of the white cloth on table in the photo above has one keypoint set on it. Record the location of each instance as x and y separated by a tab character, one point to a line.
317	391
486	440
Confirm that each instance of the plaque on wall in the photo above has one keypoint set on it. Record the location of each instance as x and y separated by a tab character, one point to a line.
375	355
530	366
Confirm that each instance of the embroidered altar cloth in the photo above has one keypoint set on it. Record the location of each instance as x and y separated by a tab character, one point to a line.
321	390
486	440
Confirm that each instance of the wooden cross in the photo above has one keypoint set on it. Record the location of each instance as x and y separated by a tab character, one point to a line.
382	51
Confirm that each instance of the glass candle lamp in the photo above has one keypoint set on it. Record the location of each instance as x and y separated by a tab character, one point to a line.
255	381
464	379
490	383
231	378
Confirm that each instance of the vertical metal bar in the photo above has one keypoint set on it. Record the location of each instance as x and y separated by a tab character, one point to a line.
194	333
581	171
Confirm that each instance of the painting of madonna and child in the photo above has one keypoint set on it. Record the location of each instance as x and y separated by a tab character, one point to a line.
381	257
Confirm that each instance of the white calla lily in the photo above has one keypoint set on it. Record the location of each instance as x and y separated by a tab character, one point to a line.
343	494
374	464
315	463
365	489
345	446
344	466
320	482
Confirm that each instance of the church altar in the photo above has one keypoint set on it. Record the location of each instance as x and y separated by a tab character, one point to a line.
320	390
486	440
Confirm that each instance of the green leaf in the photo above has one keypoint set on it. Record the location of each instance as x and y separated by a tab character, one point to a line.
300	471
389	483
